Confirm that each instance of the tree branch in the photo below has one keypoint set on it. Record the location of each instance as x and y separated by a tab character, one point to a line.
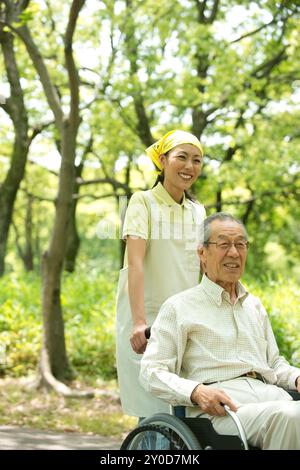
38	129
266	67
214	11
93	196
239	202
107	180
142	125
255	31
49	89
32	162
70	63
201	5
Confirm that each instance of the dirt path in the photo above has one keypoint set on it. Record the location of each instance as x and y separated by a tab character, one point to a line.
12	438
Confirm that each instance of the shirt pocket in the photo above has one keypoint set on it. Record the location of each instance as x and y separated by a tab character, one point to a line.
253	349
261	344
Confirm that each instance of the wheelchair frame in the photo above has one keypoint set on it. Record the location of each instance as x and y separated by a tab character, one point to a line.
174	431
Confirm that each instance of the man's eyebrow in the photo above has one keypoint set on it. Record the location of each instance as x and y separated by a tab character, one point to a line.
226	237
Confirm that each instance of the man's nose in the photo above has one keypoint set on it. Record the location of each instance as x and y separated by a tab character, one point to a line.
233	250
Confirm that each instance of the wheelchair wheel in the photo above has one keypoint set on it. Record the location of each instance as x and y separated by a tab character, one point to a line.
161	432
149	437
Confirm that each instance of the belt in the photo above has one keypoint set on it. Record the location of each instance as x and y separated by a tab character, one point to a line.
254	375
251	374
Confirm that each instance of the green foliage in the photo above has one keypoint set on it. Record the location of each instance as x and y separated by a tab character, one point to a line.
232	77
281	299
89	310
20	323
88	304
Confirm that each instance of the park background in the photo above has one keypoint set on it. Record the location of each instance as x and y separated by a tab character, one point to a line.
85	87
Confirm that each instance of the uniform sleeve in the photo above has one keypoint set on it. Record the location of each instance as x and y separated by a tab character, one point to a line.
136	221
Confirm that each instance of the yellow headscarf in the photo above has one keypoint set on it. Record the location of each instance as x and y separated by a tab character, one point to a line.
169	141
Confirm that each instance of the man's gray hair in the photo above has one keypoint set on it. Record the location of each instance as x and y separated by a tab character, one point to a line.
222	216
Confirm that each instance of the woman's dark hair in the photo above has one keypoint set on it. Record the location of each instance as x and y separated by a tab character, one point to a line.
160	179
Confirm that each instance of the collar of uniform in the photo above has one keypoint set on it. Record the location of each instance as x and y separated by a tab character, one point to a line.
164	197
216	292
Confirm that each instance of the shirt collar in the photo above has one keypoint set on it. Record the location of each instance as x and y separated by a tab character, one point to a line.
216	292
160	193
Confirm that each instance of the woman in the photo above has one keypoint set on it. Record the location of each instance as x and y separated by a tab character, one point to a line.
161	231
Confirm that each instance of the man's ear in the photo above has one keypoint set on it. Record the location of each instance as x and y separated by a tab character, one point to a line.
202	256
200	251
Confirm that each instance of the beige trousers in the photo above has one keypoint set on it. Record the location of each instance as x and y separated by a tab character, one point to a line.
271	419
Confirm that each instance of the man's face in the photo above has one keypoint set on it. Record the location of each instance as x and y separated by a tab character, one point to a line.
223	265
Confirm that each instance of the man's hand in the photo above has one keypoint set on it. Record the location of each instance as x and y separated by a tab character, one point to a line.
138	339
212	400
298	383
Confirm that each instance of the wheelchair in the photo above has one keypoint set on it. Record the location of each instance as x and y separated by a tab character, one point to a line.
174	431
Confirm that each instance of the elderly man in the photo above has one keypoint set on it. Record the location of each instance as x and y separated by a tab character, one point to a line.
213	345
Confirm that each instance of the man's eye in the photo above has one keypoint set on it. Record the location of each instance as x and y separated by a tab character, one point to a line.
240	246
224	245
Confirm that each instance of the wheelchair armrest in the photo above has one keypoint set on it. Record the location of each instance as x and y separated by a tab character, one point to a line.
178	411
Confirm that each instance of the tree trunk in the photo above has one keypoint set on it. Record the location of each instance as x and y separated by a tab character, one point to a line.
28	253
15	108
53	339
219	199
54	364
73	241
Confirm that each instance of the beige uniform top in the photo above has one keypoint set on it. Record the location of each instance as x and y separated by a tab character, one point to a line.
171	264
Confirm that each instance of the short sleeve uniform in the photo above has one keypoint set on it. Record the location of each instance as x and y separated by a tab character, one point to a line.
171	264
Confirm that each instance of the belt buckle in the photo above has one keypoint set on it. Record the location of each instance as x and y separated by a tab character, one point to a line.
252	374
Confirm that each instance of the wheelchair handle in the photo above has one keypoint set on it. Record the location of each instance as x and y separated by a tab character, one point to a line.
148	332
238	425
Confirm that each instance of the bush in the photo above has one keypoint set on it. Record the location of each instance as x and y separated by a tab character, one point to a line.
20	323
281	298
88	301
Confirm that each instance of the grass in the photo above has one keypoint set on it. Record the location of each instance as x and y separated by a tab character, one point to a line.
21	406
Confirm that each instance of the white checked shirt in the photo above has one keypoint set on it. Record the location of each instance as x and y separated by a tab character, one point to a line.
200	337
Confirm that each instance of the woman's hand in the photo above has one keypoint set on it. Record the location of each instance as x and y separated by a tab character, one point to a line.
138	339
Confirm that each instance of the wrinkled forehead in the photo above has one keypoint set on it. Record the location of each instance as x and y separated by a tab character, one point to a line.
227	229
